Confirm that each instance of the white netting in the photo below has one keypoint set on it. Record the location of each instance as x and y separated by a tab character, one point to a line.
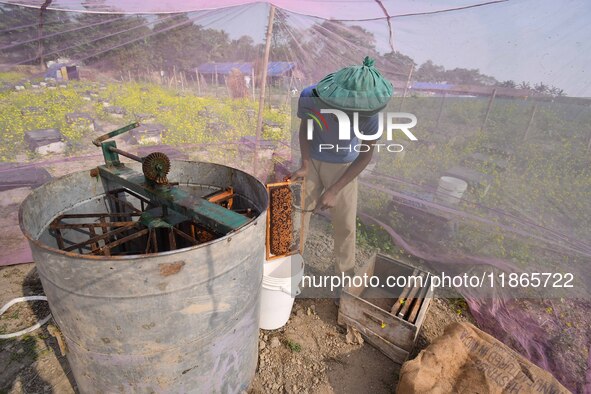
499	90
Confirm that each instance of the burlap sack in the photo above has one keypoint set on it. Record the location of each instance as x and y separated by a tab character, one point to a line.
467	360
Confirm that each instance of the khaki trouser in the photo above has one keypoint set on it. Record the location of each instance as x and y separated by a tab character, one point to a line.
320	177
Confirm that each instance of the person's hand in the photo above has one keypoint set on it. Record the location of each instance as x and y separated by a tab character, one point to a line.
327	200
301	173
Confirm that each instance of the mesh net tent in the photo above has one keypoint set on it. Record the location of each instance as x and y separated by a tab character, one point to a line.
500	90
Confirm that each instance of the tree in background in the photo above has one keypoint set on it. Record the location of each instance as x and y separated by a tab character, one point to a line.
176	43
541	87
524	85
331	45
110	42
138	44
556	92
430	72
217	44
465	76
243	49
508	84
396	64
24	42
283	39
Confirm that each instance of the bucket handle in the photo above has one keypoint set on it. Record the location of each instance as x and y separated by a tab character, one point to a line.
288	291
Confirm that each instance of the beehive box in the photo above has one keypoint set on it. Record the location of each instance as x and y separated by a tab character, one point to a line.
387	317
45	141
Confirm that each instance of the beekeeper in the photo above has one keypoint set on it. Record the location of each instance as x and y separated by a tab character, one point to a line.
332	154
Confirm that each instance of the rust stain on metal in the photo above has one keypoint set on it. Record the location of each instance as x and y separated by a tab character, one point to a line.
57	334
167	269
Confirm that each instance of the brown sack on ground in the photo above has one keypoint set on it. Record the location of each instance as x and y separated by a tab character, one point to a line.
467	360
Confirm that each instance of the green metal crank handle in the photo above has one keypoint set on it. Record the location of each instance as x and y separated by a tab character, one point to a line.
115	133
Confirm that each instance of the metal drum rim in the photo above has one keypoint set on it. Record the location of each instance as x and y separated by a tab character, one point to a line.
55	251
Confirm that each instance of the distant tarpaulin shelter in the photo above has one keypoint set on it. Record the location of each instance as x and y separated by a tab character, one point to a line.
278	72
281	69
213	71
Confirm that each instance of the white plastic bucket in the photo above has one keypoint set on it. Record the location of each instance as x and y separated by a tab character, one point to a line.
281	280
450	189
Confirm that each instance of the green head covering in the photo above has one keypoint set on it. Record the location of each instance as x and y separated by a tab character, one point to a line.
356	88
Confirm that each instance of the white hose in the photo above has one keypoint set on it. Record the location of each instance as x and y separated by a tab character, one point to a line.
26	330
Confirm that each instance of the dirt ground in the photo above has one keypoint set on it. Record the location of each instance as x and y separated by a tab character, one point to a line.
308	355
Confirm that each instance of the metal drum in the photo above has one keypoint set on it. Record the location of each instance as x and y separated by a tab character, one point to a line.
177	321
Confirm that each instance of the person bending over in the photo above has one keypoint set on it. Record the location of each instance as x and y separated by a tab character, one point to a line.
330	163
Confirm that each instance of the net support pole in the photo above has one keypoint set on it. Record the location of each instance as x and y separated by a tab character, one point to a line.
252	83
263	86
440	110
488	108
44	6
531	121
406	87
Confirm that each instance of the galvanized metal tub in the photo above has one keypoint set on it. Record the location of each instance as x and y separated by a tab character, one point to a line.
178	321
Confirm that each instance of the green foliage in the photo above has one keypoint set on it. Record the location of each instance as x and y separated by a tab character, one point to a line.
11	76
459	306
293	346
51	106
545	180
188	119
547	176
374	237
